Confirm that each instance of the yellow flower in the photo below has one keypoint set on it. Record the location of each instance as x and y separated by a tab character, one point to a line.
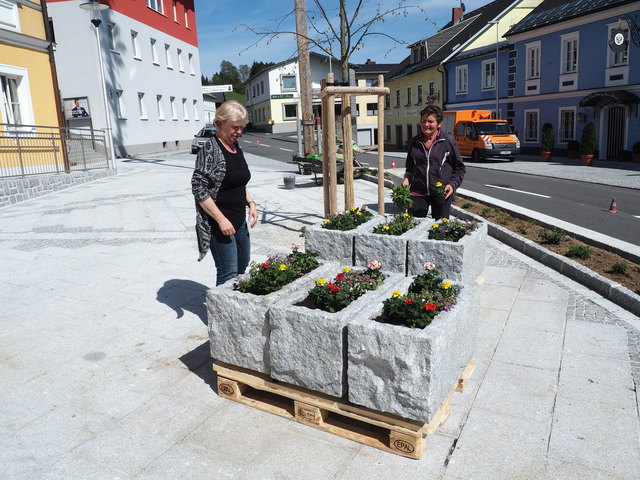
326	220
438	184
445	220
386	227
446	285
321	281
282	266
435	225
346	270
396	294
358	213
353	209
406	215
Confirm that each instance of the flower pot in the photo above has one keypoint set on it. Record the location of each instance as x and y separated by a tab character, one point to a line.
460	261
238	326
336	245
391	250
545	156
409	371
289	182
586	159
308	347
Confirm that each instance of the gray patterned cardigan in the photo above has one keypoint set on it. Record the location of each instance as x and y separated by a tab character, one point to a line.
209	172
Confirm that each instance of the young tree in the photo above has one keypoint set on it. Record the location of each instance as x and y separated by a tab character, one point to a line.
339	28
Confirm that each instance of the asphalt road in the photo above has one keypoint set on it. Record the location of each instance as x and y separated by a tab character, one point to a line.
580	203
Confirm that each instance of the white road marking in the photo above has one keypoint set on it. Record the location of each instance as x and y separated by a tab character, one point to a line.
286	149
637	216
519	191
264	144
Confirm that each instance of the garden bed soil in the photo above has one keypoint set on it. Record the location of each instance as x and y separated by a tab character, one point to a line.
601	261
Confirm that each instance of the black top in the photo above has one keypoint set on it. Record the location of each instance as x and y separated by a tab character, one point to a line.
232	196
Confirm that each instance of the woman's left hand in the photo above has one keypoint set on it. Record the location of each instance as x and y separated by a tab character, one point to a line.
253	215
448	191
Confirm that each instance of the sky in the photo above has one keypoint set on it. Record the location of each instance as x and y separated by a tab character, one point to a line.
221	35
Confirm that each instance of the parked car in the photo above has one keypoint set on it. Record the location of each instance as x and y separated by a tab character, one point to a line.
201	137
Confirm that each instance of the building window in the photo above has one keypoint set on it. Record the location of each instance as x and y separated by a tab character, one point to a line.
196	114
388	132
167	56
290	111
618	59
397	98
531	126
180	62
135	45
155	5
154	52
432	87
261	87
569	53
9	18
253	91
120	110
174	109
10	100
567	130
160	107
489	74
419	95
175	11
288	82
191	70
186	18
533	61
387	101
370	81
111	36
15	104
185	109
409	97
462	79
372	109
142	106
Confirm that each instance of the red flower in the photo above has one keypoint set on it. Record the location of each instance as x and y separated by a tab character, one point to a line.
340	276
265	265
430	306
408	301
333	288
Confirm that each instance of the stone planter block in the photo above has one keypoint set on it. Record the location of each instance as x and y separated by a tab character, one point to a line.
460	261
391	250
308	347
238	326
410	372
335	245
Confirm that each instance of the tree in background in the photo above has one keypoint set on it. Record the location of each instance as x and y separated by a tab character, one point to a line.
228	74
339	29
257	67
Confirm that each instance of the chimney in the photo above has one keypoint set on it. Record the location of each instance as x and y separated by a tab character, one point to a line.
370	62
456	14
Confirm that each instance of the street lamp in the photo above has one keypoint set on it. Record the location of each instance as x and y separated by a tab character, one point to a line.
496	23
95	6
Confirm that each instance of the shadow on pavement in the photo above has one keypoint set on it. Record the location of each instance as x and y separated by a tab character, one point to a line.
183	295
199	362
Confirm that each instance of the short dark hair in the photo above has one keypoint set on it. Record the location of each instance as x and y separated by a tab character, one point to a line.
432	110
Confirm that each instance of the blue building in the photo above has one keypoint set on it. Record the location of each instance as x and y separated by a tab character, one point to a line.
561	65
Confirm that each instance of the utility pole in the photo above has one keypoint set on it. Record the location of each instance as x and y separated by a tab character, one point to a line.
306	93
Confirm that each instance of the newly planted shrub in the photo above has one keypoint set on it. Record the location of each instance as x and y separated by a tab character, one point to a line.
552	237
583	252
620	268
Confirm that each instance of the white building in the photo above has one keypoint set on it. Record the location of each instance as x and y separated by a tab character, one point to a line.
151	69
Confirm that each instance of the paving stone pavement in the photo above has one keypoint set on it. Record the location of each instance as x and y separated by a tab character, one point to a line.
105	370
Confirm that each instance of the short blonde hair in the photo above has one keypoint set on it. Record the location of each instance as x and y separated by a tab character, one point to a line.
231	111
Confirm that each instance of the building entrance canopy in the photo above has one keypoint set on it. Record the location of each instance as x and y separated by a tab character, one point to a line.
600	99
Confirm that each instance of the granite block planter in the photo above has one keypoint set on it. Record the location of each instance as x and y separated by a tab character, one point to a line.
336	245
391	250
308	346
460	261
407	371
238	326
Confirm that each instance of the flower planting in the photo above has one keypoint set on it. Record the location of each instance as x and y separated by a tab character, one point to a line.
439	190
399	224
344	221
401	197
427	296
278	270
332	296
451	231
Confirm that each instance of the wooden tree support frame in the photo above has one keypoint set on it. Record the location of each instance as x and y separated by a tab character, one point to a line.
330	177
384	431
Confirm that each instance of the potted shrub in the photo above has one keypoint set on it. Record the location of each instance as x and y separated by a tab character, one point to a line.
636	152
573	148
237	310
588	143
547	142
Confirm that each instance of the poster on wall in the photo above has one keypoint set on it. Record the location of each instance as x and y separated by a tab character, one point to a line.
77	107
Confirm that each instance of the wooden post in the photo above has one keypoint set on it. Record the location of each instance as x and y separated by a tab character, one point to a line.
381	147
306	93
325	148
347	152
330	152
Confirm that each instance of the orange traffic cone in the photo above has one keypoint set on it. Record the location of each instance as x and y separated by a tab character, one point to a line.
393	163
257	142
614	207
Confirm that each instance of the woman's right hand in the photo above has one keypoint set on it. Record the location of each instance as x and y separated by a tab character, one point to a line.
226	227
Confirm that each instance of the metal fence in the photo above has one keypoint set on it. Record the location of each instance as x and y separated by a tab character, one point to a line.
36	150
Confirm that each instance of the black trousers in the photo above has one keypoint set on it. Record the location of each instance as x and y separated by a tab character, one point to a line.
439	208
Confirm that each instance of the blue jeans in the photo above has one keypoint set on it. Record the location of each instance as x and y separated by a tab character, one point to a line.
231	255
439	209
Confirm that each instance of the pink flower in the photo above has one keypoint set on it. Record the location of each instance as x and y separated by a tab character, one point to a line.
375	264
429	266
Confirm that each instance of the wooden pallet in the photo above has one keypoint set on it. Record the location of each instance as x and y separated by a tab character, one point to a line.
380	430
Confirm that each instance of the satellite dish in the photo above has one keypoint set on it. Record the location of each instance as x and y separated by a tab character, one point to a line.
463	7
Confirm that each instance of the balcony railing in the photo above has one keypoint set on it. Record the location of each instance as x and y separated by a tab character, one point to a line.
37	150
